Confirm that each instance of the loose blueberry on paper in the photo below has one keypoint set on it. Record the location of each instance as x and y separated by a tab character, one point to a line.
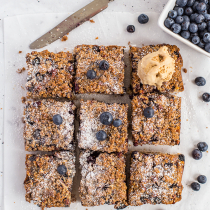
195	186
143	19
206	97
57	119
197	154
131	28
202	146
101	135
106	118
62	169
202	179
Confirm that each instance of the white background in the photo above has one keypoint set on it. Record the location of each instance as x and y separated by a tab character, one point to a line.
192	132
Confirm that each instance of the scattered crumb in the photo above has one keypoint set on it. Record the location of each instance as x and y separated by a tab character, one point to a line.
86	209
67	34
73	198
20	51
23	99
64	38
186	119
207	151
129	43
206	127
184	70
22	87
92	21
97	37
191	67
142	45
21	70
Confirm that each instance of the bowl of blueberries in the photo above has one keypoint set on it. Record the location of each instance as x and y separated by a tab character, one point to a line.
189	22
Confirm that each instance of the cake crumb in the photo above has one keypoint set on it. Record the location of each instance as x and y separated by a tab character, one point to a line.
23	99
21	70
186	119
22	87
129	43
64	38
184	70
20	51
67	34
92	21
97	37
206	127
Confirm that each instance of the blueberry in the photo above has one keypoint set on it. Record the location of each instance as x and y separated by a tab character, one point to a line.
206	96
201	6
101	135
62	169
36	61
193	34
195	186
202	146
143	19
201	44
179	19
206	37
205	1
39	77
201	33
200	81
199	19
202	26
207	17
197	154
131	28
117	122
104	65
193	28
193	16
180	10
91	74
181	3
57	119
176	28
208	28
149	112
172	14
185	26
203	12
181	157
195	40
190	3
186	18
168	22
202	179
188	11
185	34
106	118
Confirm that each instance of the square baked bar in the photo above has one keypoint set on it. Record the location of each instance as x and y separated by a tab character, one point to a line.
49	125
49	178
106	65
175	84
91	125
155	178
50	75
164	127
103	179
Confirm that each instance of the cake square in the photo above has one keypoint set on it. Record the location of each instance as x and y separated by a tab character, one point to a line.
91	125
164	127
175	84
49	178
50	75
42	132
109	81
155	178
103	179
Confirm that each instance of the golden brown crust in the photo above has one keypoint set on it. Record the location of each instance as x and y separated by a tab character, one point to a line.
173	85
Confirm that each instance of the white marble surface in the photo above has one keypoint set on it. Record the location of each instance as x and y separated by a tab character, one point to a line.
192	136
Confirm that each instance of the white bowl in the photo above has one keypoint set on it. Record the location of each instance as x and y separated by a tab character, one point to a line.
169	6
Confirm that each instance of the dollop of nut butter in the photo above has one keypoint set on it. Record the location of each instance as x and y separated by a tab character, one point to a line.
156	68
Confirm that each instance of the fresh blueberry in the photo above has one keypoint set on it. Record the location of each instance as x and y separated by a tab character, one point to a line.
186	18
180	10
200	81
101	135
206	96
202	26
203	12
91	74
201	33
205	1
131	28
190	3
195	186
36	61
179	19
188	11
181	3
168	22
201	6
197	154
185	26
117	122
207	17
104	65
143	19
106	118
201	44
202	179
206	37
195	40
193	28
207	47
57	119
176	28
172	14
202	146
199	19
195	5
181	157
62	169
149	112
193	34
185	34
193	16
